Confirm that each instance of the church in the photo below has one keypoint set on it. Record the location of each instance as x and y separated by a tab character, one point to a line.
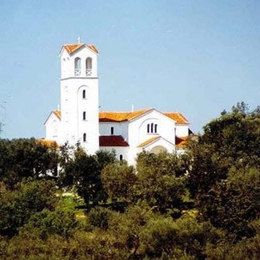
127	133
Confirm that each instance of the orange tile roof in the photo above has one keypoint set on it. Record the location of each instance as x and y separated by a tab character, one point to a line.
112	140
178	117
70	48
57	113
120	116
181	142
93	47
48	143
149	141
126	116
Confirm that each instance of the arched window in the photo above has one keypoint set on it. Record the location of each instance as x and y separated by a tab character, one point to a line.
148	128
84	115
84	137
88	66
152	128
84	94
77	66
121	157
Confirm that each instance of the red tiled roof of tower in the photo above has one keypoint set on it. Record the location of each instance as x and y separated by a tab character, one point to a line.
93	47
70	48
57	113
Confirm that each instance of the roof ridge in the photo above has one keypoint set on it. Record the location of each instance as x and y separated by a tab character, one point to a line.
73	44
149	141
73	47
183	117
179	115
139	110
171	112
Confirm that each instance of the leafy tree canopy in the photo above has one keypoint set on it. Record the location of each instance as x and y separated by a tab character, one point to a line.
233	139
23	158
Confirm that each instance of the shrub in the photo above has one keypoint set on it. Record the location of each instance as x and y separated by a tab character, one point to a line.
60	222
118	180
99	217
16	207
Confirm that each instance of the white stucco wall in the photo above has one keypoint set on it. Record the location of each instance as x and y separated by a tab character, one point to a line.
67	62
52	127
120	128
182	130
73	105
134	151
161	143
138	128
137	131
120	150
71	127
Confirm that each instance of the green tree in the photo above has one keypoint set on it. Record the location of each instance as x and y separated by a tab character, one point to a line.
99	217
84	172
232	204
17	206
59	221
126	228
160	181
118	180
233	139
224	172
23	158
184	237
247	248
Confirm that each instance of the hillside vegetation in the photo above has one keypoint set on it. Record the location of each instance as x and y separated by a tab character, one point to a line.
203	204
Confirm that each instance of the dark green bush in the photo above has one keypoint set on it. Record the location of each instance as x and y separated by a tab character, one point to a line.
99	217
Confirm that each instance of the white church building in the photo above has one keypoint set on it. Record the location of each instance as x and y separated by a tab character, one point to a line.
128	133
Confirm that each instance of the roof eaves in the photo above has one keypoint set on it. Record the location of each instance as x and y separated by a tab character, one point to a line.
149	142
52	112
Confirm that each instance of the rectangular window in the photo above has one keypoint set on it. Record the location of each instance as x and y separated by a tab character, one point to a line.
148	128
112	130
151	127
155	128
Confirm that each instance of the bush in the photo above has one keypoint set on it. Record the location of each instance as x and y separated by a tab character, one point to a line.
16	207
24	158
84	172
246	249
99	217
118	180
232	204
184	237
60	222
157	182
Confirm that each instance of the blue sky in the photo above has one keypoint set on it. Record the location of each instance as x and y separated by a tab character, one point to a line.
195	57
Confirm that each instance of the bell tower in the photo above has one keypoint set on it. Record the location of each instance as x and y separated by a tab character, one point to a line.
79	96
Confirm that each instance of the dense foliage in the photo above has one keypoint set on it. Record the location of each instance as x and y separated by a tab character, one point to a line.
24	158
200	205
